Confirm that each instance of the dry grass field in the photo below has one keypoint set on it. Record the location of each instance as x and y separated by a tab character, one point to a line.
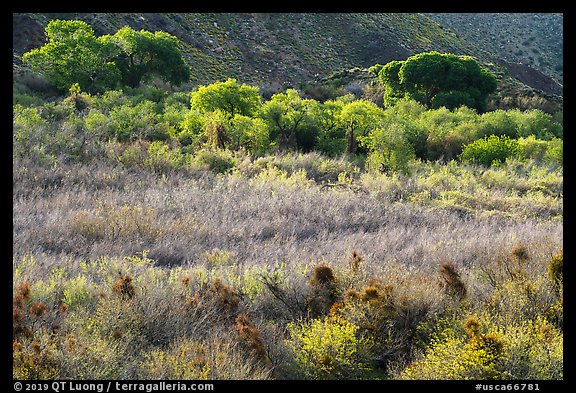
267	272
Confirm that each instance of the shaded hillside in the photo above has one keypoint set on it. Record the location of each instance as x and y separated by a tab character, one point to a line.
279	50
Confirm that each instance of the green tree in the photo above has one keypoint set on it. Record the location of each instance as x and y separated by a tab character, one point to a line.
215	127
72	54
438	79
143	54
191	128
447	130
229	97
358	117
287	115
249	133
388	145
389	76
331	138
408	113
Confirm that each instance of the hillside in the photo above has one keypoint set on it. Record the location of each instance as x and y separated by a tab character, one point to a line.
521	40
275	50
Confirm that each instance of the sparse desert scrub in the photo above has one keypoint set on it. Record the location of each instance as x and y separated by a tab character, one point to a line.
177	218
254	263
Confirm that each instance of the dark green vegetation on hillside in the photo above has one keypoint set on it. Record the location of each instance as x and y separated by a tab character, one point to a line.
221	231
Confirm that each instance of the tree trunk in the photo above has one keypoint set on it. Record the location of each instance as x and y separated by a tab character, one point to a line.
287	140
351	145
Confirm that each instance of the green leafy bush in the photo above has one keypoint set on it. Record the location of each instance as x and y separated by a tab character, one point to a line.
134	122
536	122
490	149
162	159
216	160
555	152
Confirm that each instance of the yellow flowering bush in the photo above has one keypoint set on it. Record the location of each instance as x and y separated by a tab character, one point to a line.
329	348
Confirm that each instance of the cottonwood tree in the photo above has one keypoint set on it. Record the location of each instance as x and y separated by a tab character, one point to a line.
225	108
438	79
229	97
331	138
73	54
287	115
144	54
388	146
358	118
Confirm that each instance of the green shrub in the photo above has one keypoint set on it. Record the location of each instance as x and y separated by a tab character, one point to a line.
556	268
109	100
534	350
76	291
435	132
451	356
97	123
131	155
489	150
216	160
134	122
107	336
498	122
215	358
532	148
536	122
162	159
555	152
329	348
110	222
185	359
28	128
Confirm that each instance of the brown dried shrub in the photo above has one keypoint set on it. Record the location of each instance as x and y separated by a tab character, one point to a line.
251	337
356	261
124	288
323	291
453	284
323	275
37	309
224	296
21	298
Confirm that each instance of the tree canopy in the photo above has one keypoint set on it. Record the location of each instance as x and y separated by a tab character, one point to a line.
228	96
358	117
438	79
73	54
288	117
143	53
